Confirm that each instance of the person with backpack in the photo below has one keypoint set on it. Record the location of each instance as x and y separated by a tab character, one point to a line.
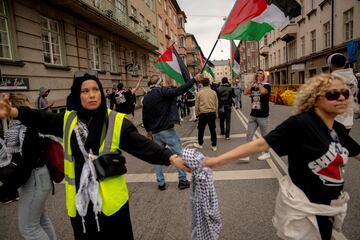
33	179
126	99
97	207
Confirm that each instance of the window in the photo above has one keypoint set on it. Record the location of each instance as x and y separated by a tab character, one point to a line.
279	56
348	24
50	35
275	58
313	40
94	52
284	54
160	23
326	28
312	4
166	29
133	56
292	50
120	10
5	47
142	21
181	41
302	39
113	62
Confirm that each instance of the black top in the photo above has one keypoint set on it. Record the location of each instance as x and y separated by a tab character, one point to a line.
131	140
225	95
316	160
260	103
159	107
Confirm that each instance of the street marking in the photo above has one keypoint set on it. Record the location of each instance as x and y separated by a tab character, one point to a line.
218	176
240	135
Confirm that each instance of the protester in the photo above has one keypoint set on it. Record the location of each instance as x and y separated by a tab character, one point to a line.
97	209
206	106
159	116
317	147
111	98
259	91
336	62
126	99
238	92
225	94
191	105
41	102
34	223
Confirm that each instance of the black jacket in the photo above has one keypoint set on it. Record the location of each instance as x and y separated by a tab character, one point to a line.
159	107
225	95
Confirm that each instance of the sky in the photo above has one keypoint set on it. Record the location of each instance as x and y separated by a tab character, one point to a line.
204	21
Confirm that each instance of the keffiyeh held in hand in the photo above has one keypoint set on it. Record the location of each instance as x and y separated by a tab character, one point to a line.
206	221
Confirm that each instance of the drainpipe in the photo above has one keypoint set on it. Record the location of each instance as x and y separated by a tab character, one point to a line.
332	23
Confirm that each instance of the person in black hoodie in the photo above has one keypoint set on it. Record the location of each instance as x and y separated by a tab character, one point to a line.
107	215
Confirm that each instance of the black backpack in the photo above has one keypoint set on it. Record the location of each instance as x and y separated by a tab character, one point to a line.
16	173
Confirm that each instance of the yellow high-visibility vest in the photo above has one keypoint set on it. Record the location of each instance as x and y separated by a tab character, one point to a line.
113	190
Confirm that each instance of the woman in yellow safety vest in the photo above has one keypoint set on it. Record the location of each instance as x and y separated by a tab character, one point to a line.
97	209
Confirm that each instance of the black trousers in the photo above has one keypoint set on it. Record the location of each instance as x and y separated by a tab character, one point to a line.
117	226
225	119
207	119
325	224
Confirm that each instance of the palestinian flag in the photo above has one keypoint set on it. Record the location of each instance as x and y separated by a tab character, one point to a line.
235	59
208	68
251	19
172	65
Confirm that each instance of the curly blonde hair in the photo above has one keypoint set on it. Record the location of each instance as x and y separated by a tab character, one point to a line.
19	100
311	90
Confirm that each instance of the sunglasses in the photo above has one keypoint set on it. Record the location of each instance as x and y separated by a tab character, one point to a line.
335	94
91	73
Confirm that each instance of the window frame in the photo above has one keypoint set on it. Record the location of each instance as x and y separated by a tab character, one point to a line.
50	36
113	57
313	40
348	34
92	53
327	32
6	16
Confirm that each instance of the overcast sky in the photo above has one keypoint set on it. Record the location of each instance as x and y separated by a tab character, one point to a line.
204	20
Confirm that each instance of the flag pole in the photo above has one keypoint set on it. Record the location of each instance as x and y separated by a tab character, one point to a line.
207	59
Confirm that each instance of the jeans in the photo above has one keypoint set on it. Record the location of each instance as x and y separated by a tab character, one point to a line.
34	223
207	119
238	100
170	138
253	124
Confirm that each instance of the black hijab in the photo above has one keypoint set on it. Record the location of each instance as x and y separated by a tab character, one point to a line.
94	119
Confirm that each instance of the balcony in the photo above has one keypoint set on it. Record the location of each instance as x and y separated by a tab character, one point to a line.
288	32
106	15
264	51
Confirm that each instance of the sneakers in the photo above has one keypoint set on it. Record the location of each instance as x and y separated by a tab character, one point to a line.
214	148
162	187
264	156
245	159
227	138
183	184
198	145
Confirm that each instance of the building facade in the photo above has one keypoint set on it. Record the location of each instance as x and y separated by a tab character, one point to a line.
222	69
299	49
249	57
45	42
194	55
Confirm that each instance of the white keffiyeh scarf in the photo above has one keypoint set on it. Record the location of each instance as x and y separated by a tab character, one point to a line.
206	221
12	142
89	186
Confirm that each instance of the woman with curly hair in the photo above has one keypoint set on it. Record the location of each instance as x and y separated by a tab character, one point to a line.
318	149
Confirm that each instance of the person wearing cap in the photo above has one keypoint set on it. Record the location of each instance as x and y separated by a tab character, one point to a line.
336	62
41	102
97	208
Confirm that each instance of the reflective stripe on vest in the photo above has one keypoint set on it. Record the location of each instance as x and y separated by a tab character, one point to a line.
113	190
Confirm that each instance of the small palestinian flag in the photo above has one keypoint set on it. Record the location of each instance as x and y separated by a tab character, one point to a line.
235	59
251	19
209	68
172	65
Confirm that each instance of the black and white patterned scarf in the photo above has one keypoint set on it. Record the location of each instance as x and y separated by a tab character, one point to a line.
206	221
12	142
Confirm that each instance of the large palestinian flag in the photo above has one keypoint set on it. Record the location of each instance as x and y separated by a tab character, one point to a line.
235	59
251	19
172	65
